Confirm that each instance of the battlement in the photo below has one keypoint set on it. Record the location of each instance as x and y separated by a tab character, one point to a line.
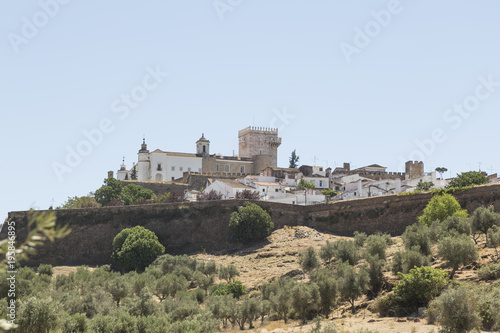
258	130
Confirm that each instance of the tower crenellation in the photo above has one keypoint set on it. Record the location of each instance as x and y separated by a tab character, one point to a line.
255	141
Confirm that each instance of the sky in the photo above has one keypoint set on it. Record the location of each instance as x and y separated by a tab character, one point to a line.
81	83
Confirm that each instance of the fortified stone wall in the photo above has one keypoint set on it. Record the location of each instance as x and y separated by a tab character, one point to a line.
203	226
158	188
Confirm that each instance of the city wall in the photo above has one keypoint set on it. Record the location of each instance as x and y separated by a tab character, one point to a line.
203	226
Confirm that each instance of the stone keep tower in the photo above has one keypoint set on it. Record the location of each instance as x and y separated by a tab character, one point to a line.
259	141
414	170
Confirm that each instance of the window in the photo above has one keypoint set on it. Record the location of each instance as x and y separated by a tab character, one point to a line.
226	168
320	183
204	149
216	168
158	168
173	168
180	168
276	190
263	190
189	169
199	170
242	169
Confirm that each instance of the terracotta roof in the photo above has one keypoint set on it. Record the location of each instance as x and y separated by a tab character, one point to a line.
169	153
373	166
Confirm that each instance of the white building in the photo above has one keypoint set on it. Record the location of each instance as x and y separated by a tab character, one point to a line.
269	190
227	187
318	181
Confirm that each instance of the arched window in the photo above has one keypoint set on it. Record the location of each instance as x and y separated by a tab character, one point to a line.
204	149
158	177
226	168
242	169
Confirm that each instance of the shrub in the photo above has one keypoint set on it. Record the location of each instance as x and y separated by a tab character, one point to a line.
250	222
228	272
420	286
76	323
308	260
360	238
108	192
489	272
247	195
456	310
493	235
236	288
440	207
136	248
457	251
488	300
347	251
45	269
280	297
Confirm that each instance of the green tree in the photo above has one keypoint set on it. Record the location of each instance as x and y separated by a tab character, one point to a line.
111	190
441	170
469	178
347	251
351	284
328	289
424	186
136	248
483	219
305	184
38	315
327	252
87	201
118	287
133	173
440	207
330	193
420	286
250	222
305	298
404	261
294	160
457	251
376	245
280	297
418	235
132	192
228	272
494	239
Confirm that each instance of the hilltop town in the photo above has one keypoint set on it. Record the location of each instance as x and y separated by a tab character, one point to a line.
254	172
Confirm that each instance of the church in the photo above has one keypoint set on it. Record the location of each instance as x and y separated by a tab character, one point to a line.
258	149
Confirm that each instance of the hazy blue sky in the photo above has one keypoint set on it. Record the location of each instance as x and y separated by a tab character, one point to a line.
357	81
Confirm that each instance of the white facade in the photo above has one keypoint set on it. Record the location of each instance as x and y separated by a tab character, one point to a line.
167	166
228	188
269	190
319	182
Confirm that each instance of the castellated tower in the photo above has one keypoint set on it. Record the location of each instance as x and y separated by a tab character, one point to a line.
414	170
259	141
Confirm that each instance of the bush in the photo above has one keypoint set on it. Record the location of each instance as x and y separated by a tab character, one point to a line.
457	225
440	207
45	269
136	248
455	310
347	251
305	299
375	274
236	288
489	272
250	222
457	251
76	323
420	286
132	194
108	192
360	238
308	260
